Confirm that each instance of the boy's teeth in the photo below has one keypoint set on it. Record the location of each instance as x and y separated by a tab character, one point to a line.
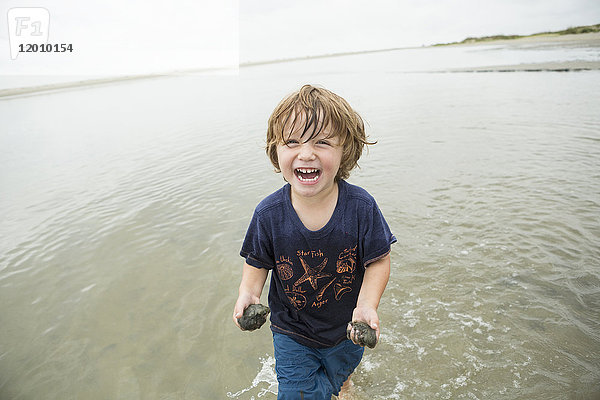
312	172
307	179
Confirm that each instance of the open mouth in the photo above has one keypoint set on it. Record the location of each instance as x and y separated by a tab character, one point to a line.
307	175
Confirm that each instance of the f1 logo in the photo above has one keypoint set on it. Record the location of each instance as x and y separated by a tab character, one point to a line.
27	25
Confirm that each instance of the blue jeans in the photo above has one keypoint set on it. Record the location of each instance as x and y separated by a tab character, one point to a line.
312	374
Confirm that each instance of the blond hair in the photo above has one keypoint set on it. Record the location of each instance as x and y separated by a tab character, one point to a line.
319	108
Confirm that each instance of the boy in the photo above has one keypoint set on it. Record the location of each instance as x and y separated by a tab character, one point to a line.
325	240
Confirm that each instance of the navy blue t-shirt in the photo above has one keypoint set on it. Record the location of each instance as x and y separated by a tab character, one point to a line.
316	275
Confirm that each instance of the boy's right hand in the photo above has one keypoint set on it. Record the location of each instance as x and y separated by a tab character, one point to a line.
243	301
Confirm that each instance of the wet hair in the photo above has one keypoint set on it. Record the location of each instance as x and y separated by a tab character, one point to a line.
317	108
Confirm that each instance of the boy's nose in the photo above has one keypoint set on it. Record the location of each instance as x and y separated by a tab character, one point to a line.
306	152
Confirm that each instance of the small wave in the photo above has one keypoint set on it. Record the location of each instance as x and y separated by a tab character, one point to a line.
266	376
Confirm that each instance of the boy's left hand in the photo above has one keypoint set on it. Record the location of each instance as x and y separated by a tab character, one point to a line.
368	315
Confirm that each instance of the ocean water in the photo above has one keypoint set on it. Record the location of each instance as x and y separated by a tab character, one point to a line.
124	207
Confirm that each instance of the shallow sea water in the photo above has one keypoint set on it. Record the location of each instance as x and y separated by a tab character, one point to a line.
124	207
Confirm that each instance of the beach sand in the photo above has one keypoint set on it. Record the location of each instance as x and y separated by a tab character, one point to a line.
81	83
565	66
539	42
587	39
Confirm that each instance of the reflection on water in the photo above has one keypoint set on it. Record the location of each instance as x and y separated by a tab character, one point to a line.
125	206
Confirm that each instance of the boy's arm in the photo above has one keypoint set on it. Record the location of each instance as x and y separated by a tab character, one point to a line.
253	281
375	280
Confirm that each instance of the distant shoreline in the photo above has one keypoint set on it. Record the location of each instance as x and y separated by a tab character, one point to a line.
581	35
572	33
593	37
19	91
538	41
558	66
578	30
329	55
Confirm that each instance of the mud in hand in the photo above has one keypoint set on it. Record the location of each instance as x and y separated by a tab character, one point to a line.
254	317
364	334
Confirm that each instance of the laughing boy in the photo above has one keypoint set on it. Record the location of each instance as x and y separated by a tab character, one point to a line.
325	241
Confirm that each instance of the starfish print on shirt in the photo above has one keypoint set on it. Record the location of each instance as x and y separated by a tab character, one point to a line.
322	290
312	274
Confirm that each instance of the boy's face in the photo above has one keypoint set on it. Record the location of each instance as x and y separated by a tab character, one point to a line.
309	166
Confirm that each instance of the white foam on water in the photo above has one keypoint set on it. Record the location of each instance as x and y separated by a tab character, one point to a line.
406	388
265	375
410	319
87	288
402	343
368	365
467	320
396	394
49	330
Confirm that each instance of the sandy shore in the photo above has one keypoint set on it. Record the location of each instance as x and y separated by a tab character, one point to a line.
69	85
20	91
539	42
550	39
565	66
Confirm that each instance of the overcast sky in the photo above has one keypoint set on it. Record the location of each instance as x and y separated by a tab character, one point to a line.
118	37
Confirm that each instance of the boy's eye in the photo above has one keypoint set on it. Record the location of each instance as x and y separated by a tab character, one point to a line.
323	142
290	142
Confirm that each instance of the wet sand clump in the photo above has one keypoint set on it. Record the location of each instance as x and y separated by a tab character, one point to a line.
365	335
254	317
